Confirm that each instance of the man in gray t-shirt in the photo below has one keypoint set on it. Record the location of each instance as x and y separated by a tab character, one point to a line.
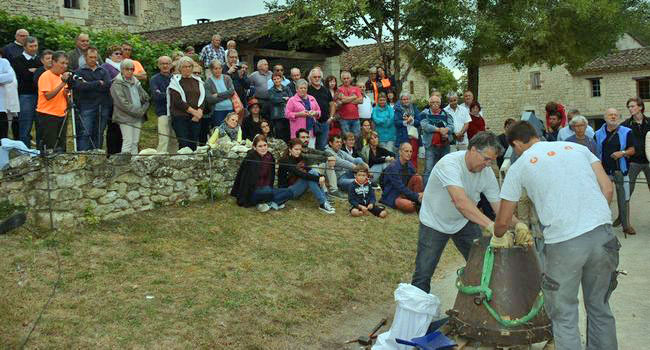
259	79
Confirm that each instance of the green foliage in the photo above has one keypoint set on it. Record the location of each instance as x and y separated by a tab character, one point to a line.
90	217
211	191
61	36
637	21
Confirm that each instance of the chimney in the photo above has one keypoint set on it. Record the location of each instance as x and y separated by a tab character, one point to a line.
202	20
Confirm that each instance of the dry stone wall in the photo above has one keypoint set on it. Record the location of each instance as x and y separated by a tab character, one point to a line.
89	187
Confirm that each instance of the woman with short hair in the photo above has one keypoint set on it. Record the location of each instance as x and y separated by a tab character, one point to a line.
383	116
130	104
302	110
252	122
186	102
219	89
255	178
113	133
477	123
278	97
579	125
229	128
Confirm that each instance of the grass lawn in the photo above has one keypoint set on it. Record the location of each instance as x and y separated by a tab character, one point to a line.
205	276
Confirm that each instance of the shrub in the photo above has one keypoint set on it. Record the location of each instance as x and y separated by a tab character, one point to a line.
54	35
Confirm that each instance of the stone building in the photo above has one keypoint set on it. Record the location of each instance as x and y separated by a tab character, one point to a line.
608	81
253	44
361	58
132	15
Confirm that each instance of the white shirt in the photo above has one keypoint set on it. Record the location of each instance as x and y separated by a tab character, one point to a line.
27	56
460	116
438	211
561	183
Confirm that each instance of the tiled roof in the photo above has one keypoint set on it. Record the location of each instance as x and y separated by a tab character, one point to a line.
631	59
240	29
359	59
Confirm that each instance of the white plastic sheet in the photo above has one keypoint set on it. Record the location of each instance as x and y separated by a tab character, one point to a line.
414	312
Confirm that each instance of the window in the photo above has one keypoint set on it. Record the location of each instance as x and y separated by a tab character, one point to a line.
71	4
411	87
595	87
129	7
535	81
643	88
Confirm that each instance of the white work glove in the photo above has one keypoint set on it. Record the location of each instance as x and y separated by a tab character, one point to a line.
488	231
505	241
523	237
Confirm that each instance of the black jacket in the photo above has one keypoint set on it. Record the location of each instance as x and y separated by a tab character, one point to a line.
379	157
246	180
639	131
95	88
292	169
361	194
250	128
21	65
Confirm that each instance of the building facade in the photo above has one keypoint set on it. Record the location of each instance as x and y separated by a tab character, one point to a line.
605	82
132	15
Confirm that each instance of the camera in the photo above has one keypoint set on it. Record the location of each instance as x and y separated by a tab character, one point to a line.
72	78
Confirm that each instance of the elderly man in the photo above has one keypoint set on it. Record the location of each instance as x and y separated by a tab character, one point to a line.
212	51
350	97
279	69
580	247
295	75
260	80
568	131
158	91
461	117
401	186
127	52
614	145
25	66
346	164
371	85
53	104
326	103
437	127
449	204
14	49
407	123
92	95
77	56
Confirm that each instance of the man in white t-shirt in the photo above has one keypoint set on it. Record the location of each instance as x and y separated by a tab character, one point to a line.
449	204
461	117
579	243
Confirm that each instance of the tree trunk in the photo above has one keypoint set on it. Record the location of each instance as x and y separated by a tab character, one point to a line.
472	79
396	46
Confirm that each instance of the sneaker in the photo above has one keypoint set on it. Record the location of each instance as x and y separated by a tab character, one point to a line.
276	206
326	207
263	207
337	195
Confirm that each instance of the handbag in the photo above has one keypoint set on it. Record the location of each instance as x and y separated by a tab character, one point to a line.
412	132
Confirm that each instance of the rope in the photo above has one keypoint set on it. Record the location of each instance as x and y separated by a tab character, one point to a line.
484	291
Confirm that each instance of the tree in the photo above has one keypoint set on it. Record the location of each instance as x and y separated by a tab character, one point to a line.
388	22
552	32
637	21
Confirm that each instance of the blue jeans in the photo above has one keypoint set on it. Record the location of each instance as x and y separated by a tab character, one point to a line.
186	131
431	243
218	117
321	137
345	181
352	126
376	170
277	195
26	118
90	124
300	187
433	155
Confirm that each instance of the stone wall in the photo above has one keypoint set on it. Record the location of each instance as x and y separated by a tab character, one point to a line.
88	187
505	92
103	14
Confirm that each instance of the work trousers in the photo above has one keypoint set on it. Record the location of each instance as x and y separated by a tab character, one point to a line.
187	132
431	243
90	124
53	132
590	259
27	118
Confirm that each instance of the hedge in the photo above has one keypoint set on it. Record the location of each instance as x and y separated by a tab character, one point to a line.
54	35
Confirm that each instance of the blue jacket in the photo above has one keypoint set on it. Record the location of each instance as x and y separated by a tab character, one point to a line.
384	119
90	92
429	123
158	89
361	194
401	135
622	132
393	186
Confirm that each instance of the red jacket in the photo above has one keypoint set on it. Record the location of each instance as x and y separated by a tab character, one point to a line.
475	126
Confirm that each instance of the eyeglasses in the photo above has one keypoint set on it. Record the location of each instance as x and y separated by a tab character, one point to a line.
129	69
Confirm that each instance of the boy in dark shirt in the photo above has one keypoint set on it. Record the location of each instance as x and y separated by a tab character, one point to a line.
362	197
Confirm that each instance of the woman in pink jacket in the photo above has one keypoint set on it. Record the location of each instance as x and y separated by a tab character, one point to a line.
302	110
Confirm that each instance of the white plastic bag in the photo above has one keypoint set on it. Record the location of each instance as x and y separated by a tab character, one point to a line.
365	108
414	312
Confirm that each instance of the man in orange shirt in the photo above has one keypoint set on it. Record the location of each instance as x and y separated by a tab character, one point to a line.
139	72
53	104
